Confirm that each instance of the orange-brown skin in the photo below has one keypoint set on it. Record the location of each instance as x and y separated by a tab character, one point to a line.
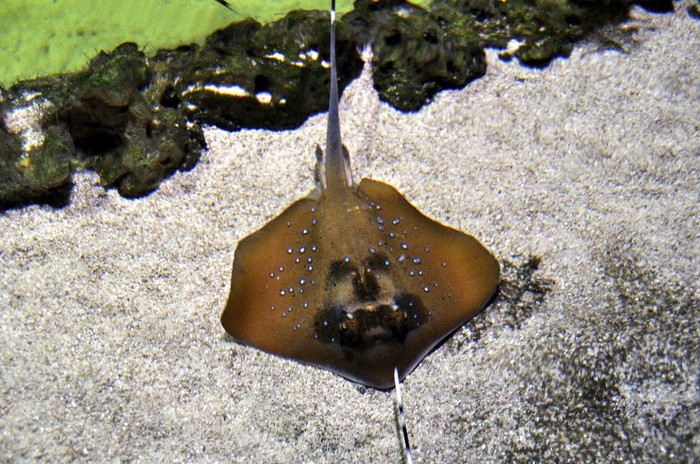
355	280
459	274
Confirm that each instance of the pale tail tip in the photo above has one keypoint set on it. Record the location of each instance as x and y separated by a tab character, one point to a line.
402	419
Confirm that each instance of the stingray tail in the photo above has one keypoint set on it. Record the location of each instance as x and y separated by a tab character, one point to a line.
337	169
402	419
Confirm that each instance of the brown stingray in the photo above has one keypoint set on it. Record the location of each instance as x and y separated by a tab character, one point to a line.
354	279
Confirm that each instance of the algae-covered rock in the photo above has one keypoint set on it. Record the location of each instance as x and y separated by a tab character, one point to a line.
35	165
42	175
99	119
273	76
416	53
136	120
155	147
102	104
541	29
132	143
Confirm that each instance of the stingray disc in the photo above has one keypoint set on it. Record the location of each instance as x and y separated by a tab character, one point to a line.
356	284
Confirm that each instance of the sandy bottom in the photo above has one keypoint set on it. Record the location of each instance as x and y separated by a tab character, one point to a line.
110	342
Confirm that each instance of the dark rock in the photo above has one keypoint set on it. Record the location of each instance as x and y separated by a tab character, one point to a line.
40	175
133	143
273	76
136	120
105	98
102	118
416	53
657	6
694	10
545	30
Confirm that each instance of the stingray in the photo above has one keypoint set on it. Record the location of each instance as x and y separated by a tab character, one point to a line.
353	278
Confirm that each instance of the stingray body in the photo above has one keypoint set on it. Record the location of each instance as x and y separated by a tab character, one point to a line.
353	278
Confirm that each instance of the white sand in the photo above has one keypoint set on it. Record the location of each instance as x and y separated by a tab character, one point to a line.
110	342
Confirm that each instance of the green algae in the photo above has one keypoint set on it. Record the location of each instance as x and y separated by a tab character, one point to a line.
135	118
58	36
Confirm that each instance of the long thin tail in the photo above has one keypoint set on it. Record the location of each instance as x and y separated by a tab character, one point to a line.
337	169
226	4
402	419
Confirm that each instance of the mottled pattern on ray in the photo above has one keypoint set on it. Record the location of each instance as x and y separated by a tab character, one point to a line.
356	286
354	279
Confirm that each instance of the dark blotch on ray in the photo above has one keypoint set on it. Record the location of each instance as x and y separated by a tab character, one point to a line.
377	263
365	286
339	270
362	329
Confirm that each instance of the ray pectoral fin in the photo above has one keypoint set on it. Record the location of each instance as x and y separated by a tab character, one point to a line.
446	271
262	269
